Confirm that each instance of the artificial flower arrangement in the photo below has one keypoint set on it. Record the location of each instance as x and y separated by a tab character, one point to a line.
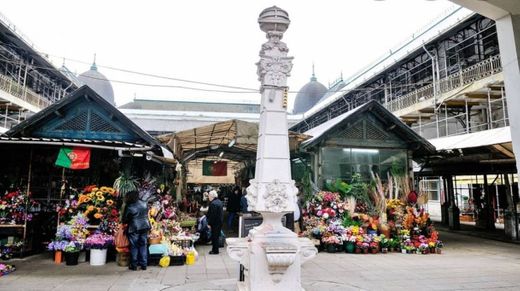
98	203
331	240
6	251
6	269
13	208
99	240
70	237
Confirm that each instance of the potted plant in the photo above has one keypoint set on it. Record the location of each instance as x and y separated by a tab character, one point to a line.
71	252
424	249
98	244
439	245
350	244
384	244
331	243
364	247
374	247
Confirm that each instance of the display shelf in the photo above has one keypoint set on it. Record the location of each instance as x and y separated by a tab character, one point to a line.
12	226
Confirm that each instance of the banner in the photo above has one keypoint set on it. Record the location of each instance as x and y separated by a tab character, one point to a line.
213	168
74	158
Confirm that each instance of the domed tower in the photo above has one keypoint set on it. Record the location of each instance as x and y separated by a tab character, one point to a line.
309	95
98	82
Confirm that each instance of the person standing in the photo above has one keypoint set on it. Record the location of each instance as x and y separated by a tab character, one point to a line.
215	219
233	206
243	203
136	216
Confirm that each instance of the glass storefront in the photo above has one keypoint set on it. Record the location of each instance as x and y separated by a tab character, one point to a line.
344	162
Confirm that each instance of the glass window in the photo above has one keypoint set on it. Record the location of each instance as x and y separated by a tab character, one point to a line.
431	187
344	162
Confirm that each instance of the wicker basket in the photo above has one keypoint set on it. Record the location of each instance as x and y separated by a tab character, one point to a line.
154	241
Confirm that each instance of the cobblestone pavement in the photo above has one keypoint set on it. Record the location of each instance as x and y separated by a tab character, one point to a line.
467	263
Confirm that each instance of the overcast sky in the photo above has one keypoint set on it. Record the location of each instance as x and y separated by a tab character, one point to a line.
214	41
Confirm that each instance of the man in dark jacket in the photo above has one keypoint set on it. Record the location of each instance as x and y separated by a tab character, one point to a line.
215	218
136	216
233	206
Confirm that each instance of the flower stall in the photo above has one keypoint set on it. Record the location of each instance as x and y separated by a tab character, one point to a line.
362	161
98	143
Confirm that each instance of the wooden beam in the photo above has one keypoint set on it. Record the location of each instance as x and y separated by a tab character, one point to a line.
503	150
483	95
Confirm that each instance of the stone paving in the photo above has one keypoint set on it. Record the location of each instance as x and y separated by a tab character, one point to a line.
467	263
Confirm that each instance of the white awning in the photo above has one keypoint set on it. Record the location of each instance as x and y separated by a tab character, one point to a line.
471	140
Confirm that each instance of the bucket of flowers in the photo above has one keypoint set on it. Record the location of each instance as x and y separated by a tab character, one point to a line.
71	252
438	247
331	243
57	246
98	244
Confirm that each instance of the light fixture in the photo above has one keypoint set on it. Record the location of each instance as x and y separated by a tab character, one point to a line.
221	154
231	143
368	151
214	147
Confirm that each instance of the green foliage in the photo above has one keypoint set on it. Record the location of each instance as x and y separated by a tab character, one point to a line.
398	168
340	187
348	221
360	192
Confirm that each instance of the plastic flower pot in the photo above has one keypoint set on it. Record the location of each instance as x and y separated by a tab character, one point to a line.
98	257
374	250
439	251
331	248
349	247
57	257
358	250
384	250
71	258
365	251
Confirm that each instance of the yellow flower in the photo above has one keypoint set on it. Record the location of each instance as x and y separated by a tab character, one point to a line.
110	202
111	191
95	189
91	195
100	198
103	189
99	193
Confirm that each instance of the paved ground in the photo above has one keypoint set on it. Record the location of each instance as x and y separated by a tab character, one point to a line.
466	263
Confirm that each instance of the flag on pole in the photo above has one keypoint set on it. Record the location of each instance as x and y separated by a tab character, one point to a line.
74	158
212	168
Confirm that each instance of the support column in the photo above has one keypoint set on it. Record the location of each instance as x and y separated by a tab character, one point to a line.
453	210
445	203
510	219
508	31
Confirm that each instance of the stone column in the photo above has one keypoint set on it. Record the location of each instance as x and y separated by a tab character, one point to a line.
271	253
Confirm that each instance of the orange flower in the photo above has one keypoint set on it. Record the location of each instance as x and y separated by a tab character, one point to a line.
98	215
90	208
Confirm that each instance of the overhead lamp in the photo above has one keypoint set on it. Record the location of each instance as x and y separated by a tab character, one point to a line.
231	143
221	154
214	147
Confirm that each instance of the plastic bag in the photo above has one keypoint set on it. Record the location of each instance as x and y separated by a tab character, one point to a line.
120	238
164	261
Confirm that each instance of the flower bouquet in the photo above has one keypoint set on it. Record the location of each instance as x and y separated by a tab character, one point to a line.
12	208
98	204
331	242
99	241
6	269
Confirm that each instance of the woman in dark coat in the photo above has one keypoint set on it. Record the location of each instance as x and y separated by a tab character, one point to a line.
136	216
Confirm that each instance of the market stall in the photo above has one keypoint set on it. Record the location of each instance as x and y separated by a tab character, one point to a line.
54	155
362	163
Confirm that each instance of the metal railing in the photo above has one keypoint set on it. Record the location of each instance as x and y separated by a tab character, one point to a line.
470	74
10	86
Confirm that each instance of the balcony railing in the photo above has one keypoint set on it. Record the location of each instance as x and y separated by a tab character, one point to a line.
10	86
471	74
